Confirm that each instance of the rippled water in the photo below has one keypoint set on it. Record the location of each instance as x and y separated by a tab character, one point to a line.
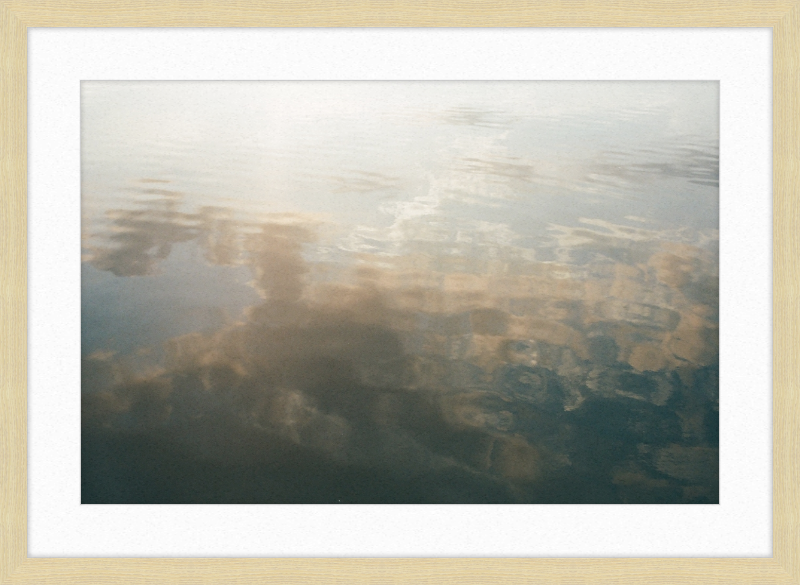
400	292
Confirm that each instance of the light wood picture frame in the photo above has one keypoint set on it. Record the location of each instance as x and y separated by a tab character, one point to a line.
783	17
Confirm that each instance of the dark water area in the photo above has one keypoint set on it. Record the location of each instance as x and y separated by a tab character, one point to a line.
482	292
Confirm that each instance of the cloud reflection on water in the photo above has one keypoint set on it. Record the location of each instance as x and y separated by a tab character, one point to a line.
436	375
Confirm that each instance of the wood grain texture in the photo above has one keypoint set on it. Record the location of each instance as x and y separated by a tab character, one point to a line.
17	16
786	293
13	294
467	13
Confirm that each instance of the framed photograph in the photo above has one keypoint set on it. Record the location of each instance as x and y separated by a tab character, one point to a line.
355	295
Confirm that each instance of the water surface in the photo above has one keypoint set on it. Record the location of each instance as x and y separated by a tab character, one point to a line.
427	292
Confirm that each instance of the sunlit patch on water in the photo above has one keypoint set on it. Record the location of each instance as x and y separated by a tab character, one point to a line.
400	292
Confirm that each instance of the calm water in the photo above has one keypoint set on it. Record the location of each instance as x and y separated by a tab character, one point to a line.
400	292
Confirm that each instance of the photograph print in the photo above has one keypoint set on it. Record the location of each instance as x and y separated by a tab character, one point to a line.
400	292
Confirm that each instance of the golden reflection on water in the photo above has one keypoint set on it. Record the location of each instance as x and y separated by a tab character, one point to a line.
426	365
